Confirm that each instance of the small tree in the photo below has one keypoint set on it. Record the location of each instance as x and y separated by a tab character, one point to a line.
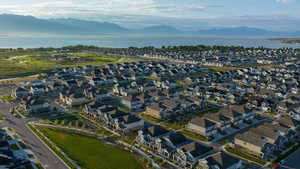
56	122
48	121
77	124
83	126
70	124
64	123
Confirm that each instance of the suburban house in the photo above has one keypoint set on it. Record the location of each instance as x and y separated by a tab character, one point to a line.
265	140
223	122
131	102
187	156
220	160
20	92
38	89
149	135
128	122
35	105
73	99
202	126
156	110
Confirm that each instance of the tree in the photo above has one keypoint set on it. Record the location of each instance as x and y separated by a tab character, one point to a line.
83	126
70	124
77	124
64	123
56	122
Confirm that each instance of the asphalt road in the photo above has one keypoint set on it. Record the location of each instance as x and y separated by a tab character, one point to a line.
293	161
47	158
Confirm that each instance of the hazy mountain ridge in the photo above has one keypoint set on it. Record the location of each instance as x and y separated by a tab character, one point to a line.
29	24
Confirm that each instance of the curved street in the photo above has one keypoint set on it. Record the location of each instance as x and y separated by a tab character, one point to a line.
47	158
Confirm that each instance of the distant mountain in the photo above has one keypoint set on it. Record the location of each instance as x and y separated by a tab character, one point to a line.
239	31
161	29
29	24
18	24
92	26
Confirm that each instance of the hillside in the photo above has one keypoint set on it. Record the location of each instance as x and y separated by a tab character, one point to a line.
19	24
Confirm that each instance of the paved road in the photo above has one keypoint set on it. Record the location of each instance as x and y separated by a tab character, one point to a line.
293	161
47	158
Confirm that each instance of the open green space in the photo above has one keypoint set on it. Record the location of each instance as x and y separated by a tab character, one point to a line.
172	125
53	147
149	118
17	63
2	117
91	153
7	98
194	136
245	156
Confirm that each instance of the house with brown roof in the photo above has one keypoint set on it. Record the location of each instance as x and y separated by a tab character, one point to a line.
131	102
187	156
264	140
223	122
235	116
202	126
149	136
158	111
73	99
220	160
127	122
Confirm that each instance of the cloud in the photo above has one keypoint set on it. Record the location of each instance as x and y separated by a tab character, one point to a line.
284	1
72	8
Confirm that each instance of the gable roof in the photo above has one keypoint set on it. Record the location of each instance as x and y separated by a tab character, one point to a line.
203	122
195	149
222	160
155	131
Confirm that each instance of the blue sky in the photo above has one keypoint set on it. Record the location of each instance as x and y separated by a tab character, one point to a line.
184	14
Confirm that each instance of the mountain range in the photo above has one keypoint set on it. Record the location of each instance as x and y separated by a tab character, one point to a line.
19	24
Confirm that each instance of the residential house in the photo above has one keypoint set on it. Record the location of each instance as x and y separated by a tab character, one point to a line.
35	105
220	160
131	102
20	92
128	122
187	156
73	98
202	126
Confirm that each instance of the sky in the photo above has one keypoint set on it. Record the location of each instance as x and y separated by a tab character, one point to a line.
283	15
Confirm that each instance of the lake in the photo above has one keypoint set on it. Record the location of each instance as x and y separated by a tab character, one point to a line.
135	40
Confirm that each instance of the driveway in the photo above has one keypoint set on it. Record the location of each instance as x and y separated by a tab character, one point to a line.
47	158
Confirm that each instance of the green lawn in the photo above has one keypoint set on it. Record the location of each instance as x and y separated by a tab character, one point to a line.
91	153
172	125
194	136
22	63
7	98
245	156
149	118
2	117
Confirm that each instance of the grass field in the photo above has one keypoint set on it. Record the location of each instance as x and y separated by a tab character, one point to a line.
18	64
245	156
91	153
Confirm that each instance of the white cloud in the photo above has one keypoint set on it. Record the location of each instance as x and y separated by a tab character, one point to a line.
74	8
284	1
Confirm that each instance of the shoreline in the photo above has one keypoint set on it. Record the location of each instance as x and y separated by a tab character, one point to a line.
290	41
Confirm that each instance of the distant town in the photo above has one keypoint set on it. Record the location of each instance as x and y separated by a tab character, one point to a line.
174	107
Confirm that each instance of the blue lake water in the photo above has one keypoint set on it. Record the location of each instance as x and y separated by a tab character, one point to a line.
135	40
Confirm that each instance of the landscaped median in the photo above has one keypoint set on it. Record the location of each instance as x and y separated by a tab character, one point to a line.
87	152
193	135
51	146
245	156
